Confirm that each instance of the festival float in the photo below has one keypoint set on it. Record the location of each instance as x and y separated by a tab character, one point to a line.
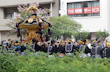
34	25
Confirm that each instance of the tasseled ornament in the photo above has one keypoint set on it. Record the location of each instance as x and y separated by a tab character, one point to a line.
49	25
18	30
47	38
41	38
49	31
40	32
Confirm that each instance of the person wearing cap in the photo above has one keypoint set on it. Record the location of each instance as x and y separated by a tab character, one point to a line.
80	45
5	48
18	47
84	48
53	47
16	43
108	50
69	48
62	49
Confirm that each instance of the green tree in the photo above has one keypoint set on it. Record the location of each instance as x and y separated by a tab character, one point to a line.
81	35
102	34
63	26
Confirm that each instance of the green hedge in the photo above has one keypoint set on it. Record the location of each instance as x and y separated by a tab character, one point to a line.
41	63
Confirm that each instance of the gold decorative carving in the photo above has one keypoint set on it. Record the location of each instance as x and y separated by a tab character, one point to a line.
33	28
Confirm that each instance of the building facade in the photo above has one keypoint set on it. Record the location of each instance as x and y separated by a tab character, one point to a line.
8	8
94	15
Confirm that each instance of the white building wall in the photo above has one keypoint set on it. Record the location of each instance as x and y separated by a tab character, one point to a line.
12	36
0	37
93	23
108	15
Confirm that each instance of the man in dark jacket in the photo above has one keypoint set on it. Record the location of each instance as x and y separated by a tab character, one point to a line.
52	48
103	52
62	47
45	47
108	50
38	46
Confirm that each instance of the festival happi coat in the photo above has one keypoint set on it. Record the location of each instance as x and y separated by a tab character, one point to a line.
34	25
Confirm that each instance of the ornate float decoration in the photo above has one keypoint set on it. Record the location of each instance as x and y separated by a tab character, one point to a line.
34	25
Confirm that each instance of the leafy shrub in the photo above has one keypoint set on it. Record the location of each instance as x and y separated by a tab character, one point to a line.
41	63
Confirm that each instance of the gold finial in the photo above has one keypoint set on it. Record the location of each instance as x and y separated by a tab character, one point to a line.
32	7
30	20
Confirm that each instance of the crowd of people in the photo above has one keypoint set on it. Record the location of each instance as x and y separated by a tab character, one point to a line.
94	49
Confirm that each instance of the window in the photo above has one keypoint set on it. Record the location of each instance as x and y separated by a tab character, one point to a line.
87	8
70	5
9	15
78	10
87	5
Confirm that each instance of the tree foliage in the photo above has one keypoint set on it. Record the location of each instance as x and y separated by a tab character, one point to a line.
81	35
102	34
64	25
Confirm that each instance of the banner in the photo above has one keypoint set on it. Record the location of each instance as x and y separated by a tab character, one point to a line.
87	10
74	11
95	9
70	11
